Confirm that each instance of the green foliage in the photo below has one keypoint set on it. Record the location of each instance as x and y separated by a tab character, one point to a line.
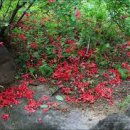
48	21
49	50
59	98
124	104
123	72
119	11
32	71
44	106
46	70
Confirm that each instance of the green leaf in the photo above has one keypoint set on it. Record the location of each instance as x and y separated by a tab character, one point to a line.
103	47
73	18
44	106
123	73
46	70
59	98
36	55
32	70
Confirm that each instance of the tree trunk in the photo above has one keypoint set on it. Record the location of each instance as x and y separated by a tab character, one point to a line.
4	37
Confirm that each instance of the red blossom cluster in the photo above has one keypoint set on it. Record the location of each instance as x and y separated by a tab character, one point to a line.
63	71
77	74
11	95
34	45
5	117
128	44
22	37
74	78
32	105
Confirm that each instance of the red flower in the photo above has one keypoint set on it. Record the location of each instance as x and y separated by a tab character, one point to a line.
1	44
42	79
102	91
63	71
39	63
51	1
124	46
83	65
86	97
70	99
26	76
27	15
128	54
5	116
34	45
125	65
55	104
70	42
22	37
68	50
44	98
32	105
45	110
66	90
29	109
128	43
29	94
82	52
78	14
50	104
106	75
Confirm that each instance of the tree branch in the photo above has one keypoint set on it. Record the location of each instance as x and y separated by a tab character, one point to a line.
15	11
18	6
30	5
7	10
1	3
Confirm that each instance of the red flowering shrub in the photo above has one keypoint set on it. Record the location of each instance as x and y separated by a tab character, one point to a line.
64	48
75	70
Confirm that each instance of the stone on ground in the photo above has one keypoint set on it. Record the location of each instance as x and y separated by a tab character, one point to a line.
7	67
115	121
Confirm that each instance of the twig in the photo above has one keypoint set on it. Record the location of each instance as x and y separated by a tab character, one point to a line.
1	3
30	5
88	46
7	10
56	91
15	11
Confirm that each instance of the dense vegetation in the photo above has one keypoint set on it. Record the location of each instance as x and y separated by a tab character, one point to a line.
80	47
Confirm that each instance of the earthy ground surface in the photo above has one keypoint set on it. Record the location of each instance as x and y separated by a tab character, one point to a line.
75	118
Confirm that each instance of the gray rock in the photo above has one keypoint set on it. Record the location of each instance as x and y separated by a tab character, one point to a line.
7	67
115	121
52	120
127	112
